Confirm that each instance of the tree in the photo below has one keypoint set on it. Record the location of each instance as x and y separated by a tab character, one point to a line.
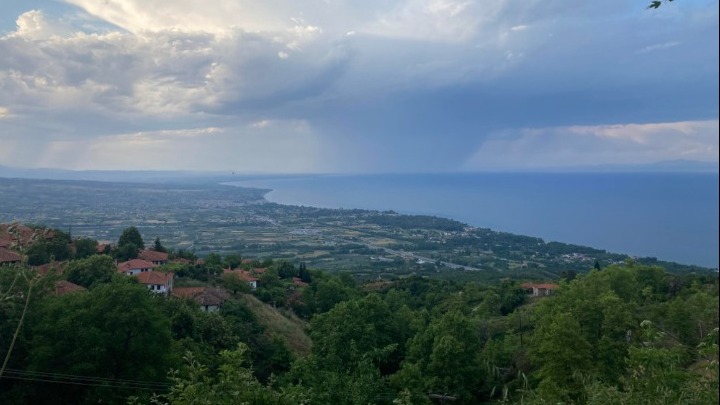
114	332
233	384
445	359
131	235
158	247
126	252
91	271
85	247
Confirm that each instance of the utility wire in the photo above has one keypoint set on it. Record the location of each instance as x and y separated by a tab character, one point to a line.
31	283
89	384
71	377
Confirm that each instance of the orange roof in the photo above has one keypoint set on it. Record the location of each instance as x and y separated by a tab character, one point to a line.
135	264
244	275
260	270
8	256
187	292
52	267
154	277
63	287
202	295
153	256
247	261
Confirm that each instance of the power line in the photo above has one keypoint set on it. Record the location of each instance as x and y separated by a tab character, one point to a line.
60	378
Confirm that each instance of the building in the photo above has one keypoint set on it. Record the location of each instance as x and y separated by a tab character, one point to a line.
157	282
243	275
135	266
209	299
154	257
63	287
539	290
7	256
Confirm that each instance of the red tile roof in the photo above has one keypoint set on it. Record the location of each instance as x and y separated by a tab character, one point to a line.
63	287
6	243
154	277
134	264
8	256
153	256
202	295
51	268
260	270
244	275
247	261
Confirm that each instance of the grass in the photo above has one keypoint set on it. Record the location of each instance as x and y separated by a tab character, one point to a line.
281	323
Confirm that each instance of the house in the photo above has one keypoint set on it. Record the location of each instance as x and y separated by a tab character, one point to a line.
157	282
51	268
539	290
259	271
155	257
243	275
7	256
135	266
209	299
63	287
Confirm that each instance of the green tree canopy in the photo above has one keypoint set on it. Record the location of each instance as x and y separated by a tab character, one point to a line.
116	332
131	235
91	271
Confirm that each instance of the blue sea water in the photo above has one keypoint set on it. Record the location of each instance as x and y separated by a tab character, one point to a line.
672	217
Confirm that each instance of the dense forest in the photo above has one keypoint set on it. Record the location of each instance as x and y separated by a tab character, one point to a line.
623	334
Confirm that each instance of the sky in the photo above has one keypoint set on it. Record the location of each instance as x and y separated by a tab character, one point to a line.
340	86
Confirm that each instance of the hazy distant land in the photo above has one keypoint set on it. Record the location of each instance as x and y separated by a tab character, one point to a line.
216	218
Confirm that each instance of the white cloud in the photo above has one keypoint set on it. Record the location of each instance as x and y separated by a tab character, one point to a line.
598	145
656	47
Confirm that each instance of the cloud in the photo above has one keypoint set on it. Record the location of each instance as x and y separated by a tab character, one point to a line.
157	74
598	145
656	47
374	85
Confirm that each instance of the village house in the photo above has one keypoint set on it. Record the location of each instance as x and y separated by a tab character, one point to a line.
539	290
156	258
63	287
157	282
209	299
243	275
7	256
135	266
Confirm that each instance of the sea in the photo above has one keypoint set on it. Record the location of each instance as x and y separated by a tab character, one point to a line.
670	216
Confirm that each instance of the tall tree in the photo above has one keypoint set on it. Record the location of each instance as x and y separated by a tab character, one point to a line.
131	235
85	247
158	246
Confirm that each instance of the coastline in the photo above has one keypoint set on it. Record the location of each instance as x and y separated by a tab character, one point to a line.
563	220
